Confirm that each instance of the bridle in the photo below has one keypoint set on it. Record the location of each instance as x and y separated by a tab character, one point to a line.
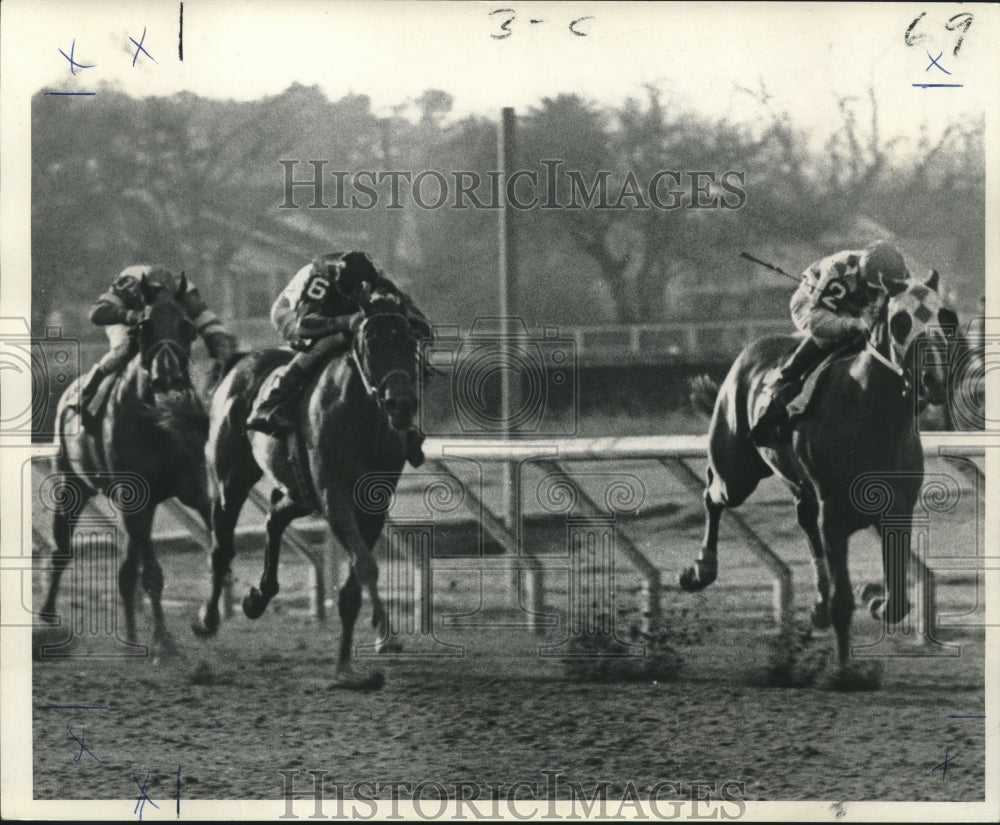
892	362
372	389
178	354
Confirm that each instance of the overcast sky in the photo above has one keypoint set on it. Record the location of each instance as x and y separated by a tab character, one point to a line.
805	55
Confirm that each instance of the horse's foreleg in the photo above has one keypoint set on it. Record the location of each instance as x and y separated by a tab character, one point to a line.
201	501
225	512
807	512
895	605
139	528
349	606
283	512
340	514
835	539
706	566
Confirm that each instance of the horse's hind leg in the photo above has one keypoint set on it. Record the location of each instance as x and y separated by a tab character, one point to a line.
706	566
734	471
70	502
807	512
283	512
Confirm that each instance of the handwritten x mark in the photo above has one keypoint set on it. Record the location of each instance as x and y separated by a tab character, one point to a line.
143	797
943	766
934	62
81	741
73	65
140	48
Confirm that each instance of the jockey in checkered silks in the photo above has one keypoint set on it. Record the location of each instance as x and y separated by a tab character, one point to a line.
828	307
120	309
318	314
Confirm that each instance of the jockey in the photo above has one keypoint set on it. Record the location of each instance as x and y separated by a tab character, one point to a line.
828	307
120	308
317	313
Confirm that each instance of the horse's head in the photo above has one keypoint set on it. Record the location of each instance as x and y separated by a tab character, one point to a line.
920	331
165	334
385	351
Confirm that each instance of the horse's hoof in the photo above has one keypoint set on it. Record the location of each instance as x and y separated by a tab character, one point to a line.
697	577
821	615
202	629
890	612
870	592
254	604
348	680
166	647
390	645
50	617
207	623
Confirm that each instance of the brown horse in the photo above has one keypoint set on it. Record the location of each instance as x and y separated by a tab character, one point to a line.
147	447
352	423
861	426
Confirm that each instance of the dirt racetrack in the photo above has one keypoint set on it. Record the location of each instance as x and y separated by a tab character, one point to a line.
232	712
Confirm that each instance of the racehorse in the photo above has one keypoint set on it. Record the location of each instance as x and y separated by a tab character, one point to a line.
147	447
351	423
860	429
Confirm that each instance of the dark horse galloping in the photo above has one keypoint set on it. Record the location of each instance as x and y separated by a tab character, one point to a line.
861	425
147	447
352	422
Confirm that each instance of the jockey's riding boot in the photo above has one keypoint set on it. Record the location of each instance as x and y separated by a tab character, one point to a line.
89	404
273	415
786	386
93	382
414	447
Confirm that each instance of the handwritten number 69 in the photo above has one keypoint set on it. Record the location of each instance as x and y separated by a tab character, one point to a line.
962	20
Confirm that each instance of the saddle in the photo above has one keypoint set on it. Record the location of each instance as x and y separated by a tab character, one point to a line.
811	381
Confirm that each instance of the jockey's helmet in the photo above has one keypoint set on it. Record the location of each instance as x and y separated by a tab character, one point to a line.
882	257
348	271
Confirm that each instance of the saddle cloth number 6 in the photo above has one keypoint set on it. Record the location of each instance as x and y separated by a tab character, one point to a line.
317	288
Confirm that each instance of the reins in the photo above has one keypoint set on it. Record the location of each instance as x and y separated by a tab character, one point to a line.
370	388
889	363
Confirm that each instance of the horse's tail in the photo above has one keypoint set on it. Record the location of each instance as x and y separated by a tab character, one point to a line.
703	393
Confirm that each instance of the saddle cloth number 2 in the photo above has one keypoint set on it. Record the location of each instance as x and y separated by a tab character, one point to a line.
833	293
